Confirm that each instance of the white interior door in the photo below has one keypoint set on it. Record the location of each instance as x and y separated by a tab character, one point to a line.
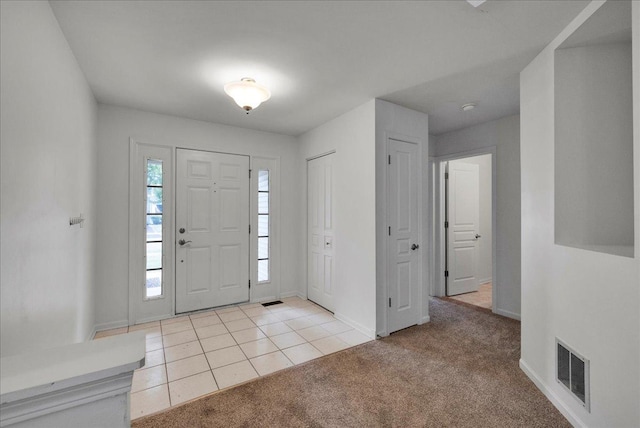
463	213
320	267
404	235
212	221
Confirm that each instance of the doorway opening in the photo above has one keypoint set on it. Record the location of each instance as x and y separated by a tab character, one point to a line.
465	250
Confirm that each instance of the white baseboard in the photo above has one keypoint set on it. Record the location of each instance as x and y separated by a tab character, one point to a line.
507	314
111	325
294	293
425	319
370	333
264	299
551	396
485	281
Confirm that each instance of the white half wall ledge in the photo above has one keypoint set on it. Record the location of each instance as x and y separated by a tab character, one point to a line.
79	385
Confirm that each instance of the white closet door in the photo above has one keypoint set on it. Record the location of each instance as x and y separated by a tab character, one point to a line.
320	261
463	214
404	235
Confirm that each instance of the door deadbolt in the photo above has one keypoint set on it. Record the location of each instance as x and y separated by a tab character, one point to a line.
181	230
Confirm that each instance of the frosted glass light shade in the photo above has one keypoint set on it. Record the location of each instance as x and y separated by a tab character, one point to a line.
247	93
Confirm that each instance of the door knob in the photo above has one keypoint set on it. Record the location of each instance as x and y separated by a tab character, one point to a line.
478	236
415	247
183	242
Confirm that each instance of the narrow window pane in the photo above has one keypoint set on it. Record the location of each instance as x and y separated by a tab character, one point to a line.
154	232
263	203
154	173
263	225
154	255
263	181
154	228
154	200
263	248
153	286
263	270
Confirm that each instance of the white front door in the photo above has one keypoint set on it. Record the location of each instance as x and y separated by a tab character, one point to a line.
212	230
404	235
463	213
320	268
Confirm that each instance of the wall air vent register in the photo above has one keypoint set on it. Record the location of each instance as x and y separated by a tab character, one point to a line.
572	372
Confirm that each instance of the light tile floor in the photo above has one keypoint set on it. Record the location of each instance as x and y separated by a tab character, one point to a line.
194	355
481	298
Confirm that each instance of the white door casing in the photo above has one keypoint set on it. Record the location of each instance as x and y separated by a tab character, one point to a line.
212	206
463	213
403	235
320	231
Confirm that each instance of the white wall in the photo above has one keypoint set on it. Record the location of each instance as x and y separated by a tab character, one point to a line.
352	136
589	300
48	162
593	117
504	134
395	121
116	125
485	263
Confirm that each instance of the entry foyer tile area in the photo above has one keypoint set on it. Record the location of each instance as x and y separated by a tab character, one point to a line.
201	353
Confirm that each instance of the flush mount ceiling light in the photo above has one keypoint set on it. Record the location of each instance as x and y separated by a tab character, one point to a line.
468	107
247	93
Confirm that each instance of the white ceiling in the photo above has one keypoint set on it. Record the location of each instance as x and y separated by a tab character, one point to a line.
320	59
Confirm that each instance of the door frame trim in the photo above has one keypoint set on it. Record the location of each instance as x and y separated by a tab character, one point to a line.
135	265
437	190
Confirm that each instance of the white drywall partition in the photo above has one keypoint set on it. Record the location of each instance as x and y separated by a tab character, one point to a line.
352	137
394	121
48	167
589	300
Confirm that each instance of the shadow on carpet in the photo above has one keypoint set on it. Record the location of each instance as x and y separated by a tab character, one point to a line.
459	370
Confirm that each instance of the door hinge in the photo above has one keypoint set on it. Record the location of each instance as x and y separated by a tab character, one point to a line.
249	229
249	173
389	301
389	160
446	224
389	230
249	284
446	175
446	273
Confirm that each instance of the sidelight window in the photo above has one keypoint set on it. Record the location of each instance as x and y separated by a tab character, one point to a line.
154	229
263	226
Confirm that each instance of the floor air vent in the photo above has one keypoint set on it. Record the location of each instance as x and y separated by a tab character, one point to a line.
572	372
275	302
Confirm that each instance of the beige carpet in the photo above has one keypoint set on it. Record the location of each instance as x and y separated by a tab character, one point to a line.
459	370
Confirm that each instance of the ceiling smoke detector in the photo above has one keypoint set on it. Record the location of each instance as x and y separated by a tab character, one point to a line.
476	3
468	107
